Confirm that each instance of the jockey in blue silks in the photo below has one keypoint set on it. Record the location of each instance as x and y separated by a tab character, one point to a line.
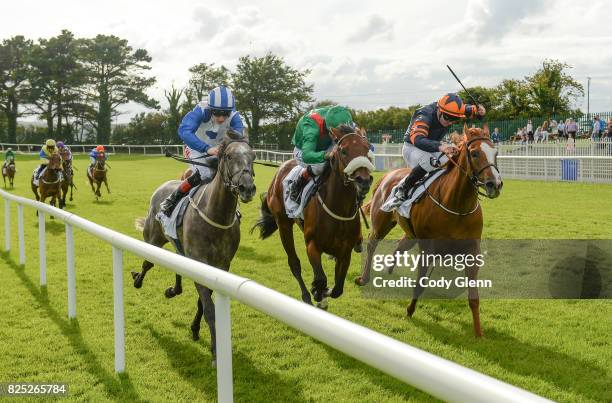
202	130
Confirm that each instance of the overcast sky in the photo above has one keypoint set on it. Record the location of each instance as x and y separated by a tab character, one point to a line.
362	54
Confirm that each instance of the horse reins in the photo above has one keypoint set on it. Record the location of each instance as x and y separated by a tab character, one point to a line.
227	182
474	178
347	180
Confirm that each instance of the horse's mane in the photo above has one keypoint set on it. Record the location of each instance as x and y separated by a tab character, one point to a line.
231	136
345	129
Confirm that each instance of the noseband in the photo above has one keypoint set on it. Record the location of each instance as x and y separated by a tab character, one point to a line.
228	177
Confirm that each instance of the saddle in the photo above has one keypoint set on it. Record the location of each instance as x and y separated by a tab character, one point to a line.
293	209
416	194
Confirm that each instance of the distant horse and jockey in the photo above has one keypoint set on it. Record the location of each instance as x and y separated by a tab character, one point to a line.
97	171
8	168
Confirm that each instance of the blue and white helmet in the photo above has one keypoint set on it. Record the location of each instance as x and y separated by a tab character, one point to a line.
221	98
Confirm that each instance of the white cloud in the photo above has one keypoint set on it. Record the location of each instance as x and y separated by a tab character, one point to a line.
394	50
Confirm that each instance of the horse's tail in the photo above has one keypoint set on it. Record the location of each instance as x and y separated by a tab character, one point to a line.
266	223
139	223
368	206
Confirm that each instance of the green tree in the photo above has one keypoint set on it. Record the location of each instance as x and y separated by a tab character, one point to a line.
14	86
116	77
488	97
552	89
203	78
174	113
57	81
514	100
144	128
266	88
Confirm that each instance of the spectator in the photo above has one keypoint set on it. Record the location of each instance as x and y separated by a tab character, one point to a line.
595	132
571	128
495	136
544	132
529	131
561	129
538	134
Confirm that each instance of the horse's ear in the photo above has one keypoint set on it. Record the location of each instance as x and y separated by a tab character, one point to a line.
335	133
485	130
466	131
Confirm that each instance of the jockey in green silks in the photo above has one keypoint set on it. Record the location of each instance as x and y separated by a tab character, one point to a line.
313	143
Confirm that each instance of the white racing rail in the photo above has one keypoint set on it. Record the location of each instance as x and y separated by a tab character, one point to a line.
439	377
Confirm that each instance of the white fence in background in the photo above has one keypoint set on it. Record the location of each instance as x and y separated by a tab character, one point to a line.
596	169
439	377
581	148
149	149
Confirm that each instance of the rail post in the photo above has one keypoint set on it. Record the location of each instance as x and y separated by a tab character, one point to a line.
7	225
41	248
71	271
21	234
225	392
118	313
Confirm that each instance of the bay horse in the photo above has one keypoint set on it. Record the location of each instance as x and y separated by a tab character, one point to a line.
9	172
97	174
449	210
68	183
50	182
210	232
331	222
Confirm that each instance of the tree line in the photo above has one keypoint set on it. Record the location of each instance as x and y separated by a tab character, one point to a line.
77	85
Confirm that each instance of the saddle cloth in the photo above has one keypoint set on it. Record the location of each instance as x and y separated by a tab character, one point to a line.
36	179
418	191
170	224
293	209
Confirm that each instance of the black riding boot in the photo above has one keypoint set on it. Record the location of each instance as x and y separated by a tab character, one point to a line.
295	193
168	205
415	175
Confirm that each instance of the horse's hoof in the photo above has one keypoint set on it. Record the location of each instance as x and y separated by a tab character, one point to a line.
134	274
335	293
171	292
323	304
137	280
360	281
358	247
410	311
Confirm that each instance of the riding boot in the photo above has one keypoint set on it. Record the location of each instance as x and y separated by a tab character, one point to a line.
295	193
168	205
403	191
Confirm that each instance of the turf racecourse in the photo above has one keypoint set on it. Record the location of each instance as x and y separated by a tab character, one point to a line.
559	349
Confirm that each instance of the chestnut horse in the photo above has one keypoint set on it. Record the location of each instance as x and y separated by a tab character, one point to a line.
9	172
331	218
449	210
97	174
50	183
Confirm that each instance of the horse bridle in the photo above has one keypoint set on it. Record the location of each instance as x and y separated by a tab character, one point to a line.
228	177
475	175
346	178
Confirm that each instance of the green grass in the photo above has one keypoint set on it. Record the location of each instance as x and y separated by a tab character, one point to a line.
559	349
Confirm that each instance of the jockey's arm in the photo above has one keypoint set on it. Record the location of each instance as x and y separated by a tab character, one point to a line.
419	134
310	135
188	127
44	158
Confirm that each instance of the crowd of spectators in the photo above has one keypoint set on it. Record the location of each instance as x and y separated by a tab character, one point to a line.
566	131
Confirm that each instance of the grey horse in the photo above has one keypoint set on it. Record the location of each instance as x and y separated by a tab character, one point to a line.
210	232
